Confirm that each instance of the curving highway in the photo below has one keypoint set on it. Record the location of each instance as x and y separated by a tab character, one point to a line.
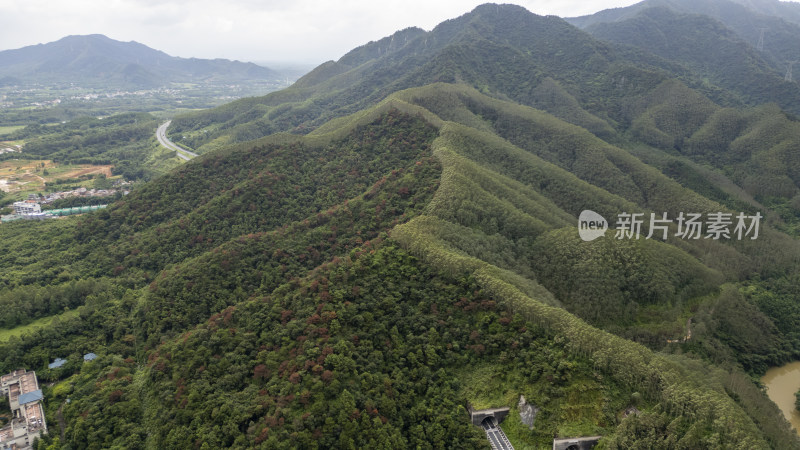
161	135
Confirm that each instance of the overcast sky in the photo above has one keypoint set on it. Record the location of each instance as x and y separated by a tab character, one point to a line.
306	31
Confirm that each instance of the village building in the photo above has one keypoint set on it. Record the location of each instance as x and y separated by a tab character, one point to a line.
27	414
26	207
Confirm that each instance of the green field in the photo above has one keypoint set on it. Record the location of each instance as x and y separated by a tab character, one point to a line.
10	129
6	334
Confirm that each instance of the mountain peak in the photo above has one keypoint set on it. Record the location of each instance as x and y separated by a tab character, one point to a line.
499	9
86	37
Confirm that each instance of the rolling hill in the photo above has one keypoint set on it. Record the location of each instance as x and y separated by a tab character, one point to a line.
355	260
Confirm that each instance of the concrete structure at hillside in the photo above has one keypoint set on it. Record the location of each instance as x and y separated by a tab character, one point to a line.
27	413
489	420
20	213
497	438
26	207
478	415
584	443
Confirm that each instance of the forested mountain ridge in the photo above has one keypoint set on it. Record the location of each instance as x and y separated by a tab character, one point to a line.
416	249
509	51
709	49
778	21
502	49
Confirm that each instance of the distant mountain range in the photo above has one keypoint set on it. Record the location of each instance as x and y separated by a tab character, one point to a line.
98	60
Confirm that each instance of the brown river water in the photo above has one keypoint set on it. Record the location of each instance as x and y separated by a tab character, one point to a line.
782	382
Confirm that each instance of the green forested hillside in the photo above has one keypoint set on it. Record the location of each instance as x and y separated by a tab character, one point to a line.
779	21
412	249
500	49
537	61
718	55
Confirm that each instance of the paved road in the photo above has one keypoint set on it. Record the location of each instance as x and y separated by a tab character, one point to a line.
161	135
496	437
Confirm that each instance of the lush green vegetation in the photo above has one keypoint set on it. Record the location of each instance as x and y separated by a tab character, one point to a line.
269	378
359	283
779	21
714	52
367	353
443	250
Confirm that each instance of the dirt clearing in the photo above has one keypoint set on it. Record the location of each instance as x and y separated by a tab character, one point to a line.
87	171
